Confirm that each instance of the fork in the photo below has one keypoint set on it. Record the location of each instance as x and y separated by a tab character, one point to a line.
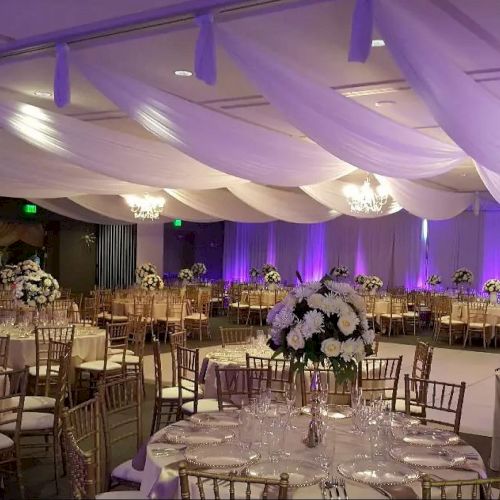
342	486
333	483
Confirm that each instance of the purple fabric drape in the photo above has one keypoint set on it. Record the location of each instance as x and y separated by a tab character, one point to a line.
205	65
62	84
361	31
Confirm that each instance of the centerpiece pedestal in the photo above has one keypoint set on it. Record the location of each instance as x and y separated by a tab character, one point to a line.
493	297
313	438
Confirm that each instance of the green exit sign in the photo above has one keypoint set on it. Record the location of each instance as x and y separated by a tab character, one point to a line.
29	208
177	223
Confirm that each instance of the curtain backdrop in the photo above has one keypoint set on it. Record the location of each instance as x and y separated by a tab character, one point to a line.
400	248
10	232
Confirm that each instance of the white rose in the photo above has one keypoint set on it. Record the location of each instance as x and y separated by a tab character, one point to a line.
331	347
47	282
31	303
315	301
347	323
295	340
41	299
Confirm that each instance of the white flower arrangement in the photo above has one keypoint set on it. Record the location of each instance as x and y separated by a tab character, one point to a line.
27	267
254	273
491	286
8	275
185	275
144	270
341	271
198	269
322	323
152	282
267	268
37	289
434	279
272	277
360	279
372	283
462	275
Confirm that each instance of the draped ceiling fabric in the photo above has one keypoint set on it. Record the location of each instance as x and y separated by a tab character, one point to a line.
11	232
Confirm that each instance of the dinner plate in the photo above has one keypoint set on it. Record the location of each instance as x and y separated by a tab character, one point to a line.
194	434
422	435
432	457
378	472
221	456
301	473
216	419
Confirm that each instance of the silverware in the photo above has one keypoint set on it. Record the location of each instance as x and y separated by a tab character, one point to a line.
334	484
342	486
328	486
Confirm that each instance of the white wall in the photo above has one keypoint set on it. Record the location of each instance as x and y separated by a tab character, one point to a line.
150	245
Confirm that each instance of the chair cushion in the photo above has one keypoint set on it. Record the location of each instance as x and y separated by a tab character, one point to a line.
446	320
112	351
478	326
370	315
36	403
394	315
42	372
204	406
129	359
126	472
236	305
410	314
98	366
121	495
196	317
172	393
5	442
31	421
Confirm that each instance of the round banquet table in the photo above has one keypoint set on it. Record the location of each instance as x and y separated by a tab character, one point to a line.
459	311
88	345
160	479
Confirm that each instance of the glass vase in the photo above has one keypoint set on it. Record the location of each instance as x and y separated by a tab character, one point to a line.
313	438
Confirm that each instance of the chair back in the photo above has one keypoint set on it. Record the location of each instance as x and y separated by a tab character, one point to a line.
120	406
235	336
203	478
477	311
143	305
137	334
397	304
13	384
117	338
4	351
58	359
379	378
8	316
281	372
462	488
422	361
157	367
176	339
236	385
88	311
442	397
338	393
188	369
370	308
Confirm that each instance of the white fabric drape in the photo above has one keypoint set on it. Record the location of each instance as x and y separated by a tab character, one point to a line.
341	126
109	152
426	202
331	194
491	181
220	141
290	206
219	203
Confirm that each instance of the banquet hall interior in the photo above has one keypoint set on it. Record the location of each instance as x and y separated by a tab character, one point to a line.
249	249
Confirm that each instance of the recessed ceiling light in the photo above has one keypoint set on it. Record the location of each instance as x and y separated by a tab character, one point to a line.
378	43
183	72
43	93
378	104
360	93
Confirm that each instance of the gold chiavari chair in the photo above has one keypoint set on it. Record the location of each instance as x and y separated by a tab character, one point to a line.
143	307
4	351
8	303
88	311
281	372
379	378
8	316
255	307
477	321
188	375
462	488
217	300
197	321
120	406
43	336
235	336
237	303
443	397
338	393
370	310
176	339
394	318
13	386
65	293
60	311
448	325
236	385
202	478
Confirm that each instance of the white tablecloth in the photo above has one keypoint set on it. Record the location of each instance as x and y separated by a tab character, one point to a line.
347	445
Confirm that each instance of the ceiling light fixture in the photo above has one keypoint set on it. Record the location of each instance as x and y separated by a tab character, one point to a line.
145	207
43	93
183	72
360	93
378	43
379	104
365	199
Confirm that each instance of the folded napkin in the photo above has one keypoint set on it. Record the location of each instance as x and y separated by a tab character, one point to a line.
399	492
139	460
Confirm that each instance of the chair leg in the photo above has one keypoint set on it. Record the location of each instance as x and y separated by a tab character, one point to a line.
55	448
155	417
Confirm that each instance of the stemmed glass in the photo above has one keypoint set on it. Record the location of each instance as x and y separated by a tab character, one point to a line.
356	405
290	395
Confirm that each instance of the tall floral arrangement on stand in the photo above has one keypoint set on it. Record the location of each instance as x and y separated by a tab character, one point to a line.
37	289
272	278
462	276
8	275
341	271
152	282
267	268
434	280
27	267
372	284
321	324
185	275
359	279
198	269
492	286
144	270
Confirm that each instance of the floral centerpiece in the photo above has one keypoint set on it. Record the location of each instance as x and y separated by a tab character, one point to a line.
372	283
198	269
144	270
267	268
27	267
185	275
341	271
360	279
254	273
272	278
462	276
492	286
323	323
37	289
433	280
8	275
152	282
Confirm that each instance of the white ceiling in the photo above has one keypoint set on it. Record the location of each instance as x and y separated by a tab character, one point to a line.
314	35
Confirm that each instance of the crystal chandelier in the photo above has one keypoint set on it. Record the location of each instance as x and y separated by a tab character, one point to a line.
365	199
145	207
